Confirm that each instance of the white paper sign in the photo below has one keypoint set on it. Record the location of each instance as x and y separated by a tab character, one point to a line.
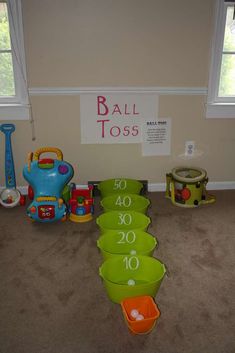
156	137
115	118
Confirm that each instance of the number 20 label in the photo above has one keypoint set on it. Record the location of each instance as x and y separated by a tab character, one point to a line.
128	237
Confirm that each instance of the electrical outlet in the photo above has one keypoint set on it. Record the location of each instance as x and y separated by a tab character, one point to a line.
189	148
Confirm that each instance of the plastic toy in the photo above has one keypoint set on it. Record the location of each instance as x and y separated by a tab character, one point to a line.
47	178
119	186
134	313
125	202
81	204
10	196
140	313
146	271
186	187
130	242
123	221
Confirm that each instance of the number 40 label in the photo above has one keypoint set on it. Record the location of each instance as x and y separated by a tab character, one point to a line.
123	201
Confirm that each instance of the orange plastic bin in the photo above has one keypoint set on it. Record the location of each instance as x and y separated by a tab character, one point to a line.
143	305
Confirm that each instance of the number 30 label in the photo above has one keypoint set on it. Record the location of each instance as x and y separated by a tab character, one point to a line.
125	218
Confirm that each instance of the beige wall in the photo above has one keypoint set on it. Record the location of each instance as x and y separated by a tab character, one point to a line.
142	43
111	43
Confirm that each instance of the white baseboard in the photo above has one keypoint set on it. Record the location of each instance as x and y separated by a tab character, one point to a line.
157	187
221	185
216	185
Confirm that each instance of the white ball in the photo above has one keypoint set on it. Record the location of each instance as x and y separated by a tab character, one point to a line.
139	317
133	252
131	282
134	313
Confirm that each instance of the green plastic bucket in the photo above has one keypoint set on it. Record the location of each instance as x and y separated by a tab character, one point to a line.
122	220
129	242
119	186
125	202
131	276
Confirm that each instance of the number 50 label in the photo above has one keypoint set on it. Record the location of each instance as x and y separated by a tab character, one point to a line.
119	184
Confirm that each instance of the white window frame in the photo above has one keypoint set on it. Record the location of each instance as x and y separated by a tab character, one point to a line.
218	107
16	107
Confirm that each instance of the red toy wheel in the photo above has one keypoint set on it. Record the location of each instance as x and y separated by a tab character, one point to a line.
22	200
30	192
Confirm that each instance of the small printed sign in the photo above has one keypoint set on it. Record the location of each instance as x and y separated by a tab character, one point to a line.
156	137
115	118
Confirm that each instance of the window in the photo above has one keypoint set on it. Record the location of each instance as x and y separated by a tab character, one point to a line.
221	90
13	86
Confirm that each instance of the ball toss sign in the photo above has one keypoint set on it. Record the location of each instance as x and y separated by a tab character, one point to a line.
115	118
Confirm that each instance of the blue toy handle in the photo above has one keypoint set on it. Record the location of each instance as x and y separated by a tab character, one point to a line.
7	129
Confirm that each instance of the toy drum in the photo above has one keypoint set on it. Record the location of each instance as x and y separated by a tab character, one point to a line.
186	187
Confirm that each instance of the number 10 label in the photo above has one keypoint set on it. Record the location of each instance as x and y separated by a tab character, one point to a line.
131	263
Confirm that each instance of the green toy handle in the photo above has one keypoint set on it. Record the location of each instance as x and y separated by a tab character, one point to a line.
209	199
168	182
170	187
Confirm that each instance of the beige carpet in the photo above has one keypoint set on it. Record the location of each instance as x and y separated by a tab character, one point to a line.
52	299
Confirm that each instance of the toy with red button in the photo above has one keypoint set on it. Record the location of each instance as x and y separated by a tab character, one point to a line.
81	204
186	187
47	178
